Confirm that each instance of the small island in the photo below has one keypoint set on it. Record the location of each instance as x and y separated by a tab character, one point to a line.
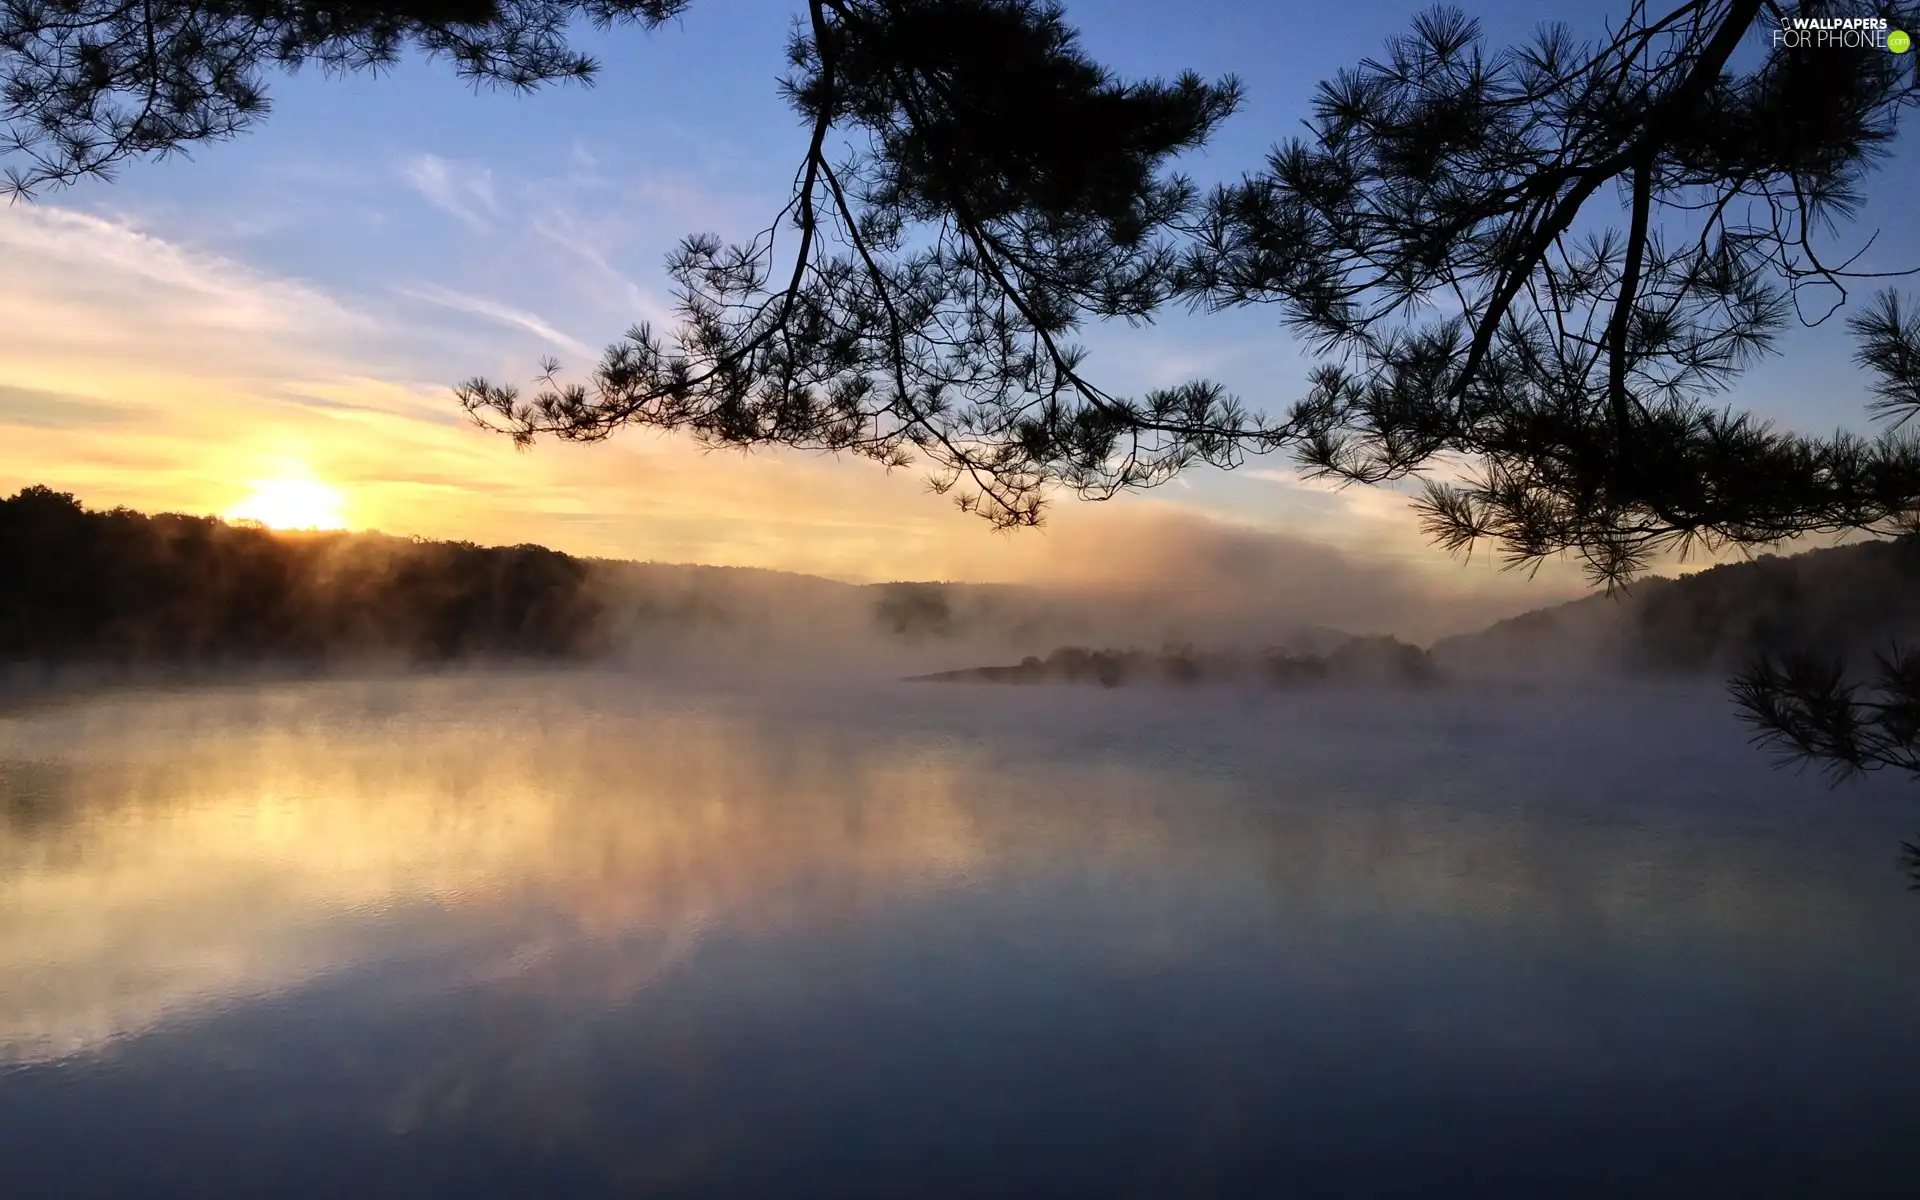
1372	660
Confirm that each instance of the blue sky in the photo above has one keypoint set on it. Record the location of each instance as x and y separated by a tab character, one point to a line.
299	299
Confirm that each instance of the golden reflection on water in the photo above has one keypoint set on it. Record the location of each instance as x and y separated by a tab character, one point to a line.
171	859
162	856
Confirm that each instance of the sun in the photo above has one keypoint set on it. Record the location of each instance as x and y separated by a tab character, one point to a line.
292	504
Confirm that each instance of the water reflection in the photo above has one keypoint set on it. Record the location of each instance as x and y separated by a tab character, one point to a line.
173	869
577	935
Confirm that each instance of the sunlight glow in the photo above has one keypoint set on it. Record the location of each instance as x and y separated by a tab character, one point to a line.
292	504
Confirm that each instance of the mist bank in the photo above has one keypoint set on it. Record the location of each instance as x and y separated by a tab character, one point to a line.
102	592
94	593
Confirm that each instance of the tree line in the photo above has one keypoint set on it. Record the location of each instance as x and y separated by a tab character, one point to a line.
123	588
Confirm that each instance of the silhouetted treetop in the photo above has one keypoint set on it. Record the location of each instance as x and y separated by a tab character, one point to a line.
991	108
86	84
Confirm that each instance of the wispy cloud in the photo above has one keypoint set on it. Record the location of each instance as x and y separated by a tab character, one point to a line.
464	193
56	255
479	306
37	409
590	249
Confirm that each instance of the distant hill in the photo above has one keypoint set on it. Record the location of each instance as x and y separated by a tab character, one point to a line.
1846	599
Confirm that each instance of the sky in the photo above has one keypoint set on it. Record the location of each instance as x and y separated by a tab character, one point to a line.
291	309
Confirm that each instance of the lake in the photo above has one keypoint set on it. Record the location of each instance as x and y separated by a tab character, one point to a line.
526	934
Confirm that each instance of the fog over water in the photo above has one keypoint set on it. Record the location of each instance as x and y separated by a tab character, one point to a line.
544	933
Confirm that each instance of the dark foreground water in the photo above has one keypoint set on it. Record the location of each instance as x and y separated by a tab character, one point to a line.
548	936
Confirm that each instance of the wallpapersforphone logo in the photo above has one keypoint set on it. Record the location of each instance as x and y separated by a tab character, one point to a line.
1840	33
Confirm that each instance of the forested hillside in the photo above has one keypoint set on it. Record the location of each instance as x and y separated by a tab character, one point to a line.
1849	600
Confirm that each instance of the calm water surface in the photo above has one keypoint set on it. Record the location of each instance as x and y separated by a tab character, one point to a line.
584	935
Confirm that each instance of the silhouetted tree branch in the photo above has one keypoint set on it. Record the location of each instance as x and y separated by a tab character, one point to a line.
1446	237
1806	707
1440	237
974	189
87	84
